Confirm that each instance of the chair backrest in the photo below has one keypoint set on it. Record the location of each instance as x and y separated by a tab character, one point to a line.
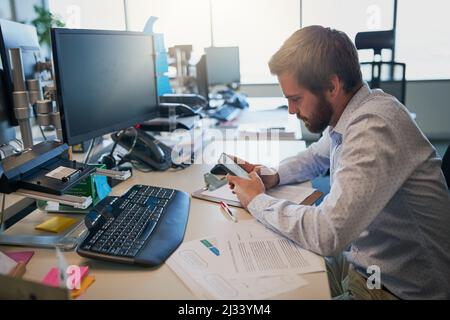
446	166
377	41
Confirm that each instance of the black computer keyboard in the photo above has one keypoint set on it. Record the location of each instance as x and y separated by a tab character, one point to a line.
143	227
226	113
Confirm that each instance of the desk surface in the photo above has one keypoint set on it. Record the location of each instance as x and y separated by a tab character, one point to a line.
115	281
264	115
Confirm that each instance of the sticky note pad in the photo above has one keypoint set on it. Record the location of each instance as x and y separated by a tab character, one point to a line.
23	256
85	284
52	277
56	224
102	186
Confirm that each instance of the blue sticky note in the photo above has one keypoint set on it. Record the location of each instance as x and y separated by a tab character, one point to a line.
102	186
162	66
158	39
163	85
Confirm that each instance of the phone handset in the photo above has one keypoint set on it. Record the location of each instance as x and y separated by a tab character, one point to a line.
145	148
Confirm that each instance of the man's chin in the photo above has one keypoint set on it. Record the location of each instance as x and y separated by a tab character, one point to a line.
313	129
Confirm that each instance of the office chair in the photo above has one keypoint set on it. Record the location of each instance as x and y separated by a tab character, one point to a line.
446	166
377	41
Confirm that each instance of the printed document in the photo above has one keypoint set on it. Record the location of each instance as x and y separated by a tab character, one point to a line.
243	261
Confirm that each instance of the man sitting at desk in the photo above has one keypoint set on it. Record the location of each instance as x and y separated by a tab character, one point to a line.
388	197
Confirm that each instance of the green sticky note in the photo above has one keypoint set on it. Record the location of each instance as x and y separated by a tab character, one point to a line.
206	243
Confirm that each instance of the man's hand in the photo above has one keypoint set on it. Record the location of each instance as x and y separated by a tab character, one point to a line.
245	189
269	177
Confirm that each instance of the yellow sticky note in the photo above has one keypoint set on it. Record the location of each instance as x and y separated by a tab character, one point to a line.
56	224
85	284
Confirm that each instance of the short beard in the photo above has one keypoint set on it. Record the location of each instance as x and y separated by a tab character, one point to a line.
321	118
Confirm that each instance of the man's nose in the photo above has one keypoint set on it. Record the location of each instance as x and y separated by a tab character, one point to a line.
291	108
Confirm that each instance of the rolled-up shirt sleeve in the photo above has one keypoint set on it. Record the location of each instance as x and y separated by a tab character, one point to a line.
370	172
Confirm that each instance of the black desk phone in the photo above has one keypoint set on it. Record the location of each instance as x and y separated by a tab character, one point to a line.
147	149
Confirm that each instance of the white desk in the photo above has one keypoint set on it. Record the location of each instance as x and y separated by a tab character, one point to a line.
263	112
116	281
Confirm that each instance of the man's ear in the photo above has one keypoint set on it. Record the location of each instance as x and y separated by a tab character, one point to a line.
334	88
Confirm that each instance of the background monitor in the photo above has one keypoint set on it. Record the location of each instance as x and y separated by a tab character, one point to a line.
17	35
7	133
202	78
222	65
105	81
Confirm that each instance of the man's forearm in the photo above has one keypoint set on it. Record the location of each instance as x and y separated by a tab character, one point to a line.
307	165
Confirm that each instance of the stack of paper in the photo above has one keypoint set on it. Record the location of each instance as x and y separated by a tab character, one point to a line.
246	261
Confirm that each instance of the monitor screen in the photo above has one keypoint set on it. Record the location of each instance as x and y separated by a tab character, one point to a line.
7	133
222	65
17	35
105	81
202	78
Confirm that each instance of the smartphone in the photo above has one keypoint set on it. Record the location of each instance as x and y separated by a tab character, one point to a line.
232	167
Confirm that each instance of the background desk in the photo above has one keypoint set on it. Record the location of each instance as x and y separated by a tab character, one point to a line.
265	113
116	281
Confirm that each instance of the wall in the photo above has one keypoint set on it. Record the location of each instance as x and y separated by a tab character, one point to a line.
24	11
19	10
6	11
430	100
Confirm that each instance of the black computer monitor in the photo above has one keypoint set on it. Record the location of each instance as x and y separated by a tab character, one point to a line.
202	77
105	81
222	65
17	35
7	132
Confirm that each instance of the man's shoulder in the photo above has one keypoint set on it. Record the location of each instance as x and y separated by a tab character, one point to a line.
383	107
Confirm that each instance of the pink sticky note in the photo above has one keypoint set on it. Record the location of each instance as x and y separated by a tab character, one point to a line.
24	256
52	277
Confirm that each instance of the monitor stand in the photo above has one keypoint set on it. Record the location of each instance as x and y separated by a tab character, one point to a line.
66	242
21	209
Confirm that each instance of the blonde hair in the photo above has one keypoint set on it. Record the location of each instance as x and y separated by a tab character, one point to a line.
313	54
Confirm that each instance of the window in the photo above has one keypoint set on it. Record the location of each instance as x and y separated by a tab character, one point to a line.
422	35
423	38
253	25
351	17
88	14
259	28
189	23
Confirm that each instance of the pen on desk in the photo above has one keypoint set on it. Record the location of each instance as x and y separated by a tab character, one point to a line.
227	209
